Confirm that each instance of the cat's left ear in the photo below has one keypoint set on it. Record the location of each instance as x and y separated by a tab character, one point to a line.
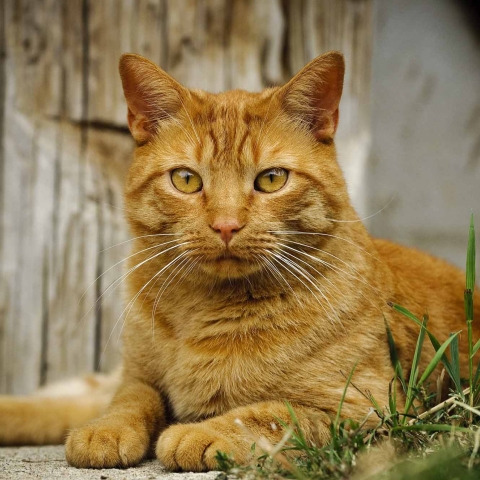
313	95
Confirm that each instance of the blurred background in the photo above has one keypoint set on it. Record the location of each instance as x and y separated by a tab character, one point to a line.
409	139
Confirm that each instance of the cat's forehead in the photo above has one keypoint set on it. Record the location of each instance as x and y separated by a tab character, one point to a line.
232	106
230	124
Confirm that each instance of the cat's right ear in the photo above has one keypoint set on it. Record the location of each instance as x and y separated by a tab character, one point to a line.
313	95
151	95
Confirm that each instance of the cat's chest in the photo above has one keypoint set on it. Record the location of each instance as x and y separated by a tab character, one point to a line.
202	381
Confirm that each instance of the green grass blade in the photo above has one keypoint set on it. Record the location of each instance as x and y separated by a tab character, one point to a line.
392	399
349	379
397	366
405	312
436	359
415	365
475	349
445	361
433	340
455	356
477	376
432	427
470	275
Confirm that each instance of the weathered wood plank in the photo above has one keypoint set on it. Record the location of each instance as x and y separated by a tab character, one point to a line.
316	26
74	59
255	45
141	25
28	186
114	234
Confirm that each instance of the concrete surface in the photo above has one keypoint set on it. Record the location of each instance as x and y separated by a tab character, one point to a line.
49	462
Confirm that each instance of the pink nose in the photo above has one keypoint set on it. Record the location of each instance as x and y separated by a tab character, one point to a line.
226	229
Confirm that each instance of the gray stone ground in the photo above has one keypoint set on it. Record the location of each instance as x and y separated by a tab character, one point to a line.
49	462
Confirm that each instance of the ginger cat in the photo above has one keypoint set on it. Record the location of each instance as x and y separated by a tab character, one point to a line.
253	280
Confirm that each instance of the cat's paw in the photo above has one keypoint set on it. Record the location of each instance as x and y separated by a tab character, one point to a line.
106	444
193	447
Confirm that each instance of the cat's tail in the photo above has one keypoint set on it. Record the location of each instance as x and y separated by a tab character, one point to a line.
45	417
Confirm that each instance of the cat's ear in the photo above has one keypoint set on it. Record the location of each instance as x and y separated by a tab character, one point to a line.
313	94
151	95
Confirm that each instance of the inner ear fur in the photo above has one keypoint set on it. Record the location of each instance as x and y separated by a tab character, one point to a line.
151	94
313	95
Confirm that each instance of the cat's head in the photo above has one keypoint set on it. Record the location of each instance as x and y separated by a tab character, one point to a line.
220	175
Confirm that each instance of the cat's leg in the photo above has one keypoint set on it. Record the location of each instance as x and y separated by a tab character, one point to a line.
193	446
123	435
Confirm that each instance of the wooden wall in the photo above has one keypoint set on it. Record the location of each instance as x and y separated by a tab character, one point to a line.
64	145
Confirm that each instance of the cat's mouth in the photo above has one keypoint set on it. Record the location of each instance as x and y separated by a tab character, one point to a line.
229	265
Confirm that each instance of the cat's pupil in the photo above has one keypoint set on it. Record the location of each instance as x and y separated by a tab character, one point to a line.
187	178
271	177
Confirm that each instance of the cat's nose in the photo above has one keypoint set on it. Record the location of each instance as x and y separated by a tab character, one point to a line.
226	229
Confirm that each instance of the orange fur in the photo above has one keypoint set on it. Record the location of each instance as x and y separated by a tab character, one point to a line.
230	333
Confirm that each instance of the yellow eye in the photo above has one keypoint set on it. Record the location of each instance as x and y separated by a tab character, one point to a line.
271	180
186	180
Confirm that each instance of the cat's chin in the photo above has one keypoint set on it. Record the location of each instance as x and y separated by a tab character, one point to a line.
230	267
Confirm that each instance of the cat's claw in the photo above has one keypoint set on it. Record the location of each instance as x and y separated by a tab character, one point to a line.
104	444
193	447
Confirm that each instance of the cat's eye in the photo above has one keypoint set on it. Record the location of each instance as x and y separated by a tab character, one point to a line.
187	181
271	180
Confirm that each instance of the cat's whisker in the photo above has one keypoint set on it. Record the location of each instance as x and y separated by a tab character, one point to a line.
276	272
287	232
178	269
154	283
305	274
328	264
141	236
118	263
340	272
113	286
345	279
190	266
365	218
132	302
285	264
325	278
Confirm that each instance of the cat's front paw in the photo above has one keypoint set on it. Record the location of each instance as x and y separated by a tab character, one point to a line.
193	447
106	444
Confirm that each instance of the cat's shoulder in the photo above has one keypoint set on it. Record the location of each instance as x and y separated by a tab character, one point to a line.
415	264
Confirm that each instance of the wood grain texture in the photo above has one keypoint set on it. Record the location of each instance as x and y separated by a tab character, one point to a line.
65	147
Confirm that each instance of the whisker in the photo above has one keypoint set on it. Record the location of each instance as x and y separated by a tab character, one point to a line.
136	238
323	235
178	268
284	264
190	265
317	271
308	277
276	271
121	261
365	218
330	264
341	273
122	277
131	303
